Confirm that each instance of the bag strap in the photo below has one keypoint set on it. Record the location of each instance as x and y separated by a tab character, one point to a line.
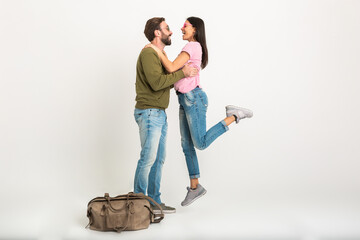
157	217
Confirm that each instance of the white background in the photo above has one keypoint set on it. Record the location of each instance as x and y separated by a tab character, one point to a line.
67	133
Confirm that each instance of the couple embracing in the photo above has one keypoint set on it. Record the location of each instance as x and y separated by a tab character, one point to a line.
155	76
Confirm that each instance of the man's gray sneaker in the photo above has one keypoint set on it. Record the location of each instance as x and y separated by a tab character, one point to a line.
193	194
239	112
166	209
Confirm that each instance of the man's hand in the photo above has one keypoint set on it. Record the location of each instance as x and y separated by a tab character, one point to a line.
189	71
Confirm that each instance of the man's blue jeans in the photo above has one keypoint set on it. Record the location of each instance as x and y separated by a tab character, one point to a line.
192	116
152	128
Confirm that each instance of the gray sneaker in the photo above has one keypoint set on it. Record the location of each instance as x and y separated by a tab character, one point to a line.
166	209
192	195
239	112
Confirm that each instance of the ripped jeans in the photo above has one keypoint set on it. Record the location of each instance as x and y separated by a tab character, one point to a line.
192	116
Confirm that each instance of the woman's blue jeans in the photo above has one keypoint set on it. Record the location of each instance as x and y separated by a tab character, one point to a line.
152	128
192	116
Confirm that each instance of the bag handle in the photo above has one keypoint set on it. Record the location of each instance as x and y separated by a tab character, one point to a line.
128	212
156	218
128	204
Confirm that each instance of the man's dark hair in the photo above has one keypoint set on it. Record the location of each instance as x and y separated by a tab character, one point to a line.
152	25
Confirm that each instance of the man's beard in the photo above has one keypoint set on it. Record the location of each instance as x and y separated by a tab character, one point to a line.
166	40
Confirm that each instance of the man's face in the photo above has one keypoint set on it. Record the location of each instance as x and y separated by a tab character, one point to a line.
165	33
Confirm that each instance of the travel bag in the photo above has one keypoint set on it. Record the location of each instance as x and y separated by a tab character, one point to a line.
126	212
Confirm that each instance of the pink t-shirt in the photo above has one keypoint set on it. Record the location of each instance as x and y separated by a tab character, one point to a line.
185	85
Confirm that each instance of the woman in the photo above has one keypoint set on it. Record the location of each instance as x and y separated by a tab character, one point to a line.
193	103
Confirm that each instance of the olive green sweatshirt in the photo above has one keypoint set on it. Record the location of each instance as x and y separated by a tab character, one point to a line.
153	83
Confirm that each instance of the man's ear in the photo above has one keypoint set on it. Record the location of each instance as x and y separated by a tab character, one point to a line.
157	33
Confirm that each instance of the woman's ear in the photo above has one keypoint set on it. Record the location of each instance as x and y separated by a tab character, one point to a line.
194	33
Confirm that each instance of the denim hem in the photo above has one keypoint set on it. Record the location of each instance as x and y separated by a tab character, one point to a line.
225	126
195	176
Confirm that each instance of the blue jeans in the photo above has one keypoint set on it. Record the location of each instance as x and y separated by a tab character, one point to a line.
192	114
152	128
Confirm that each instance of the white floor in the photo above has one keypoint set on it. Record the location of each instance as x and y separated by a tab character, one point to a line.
215	216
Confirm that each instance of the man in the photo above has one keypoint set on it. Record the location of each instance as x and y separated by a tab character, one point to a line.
152	98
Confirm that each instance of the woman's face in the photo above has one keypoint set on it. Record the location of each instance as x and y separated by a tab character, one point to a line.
188	31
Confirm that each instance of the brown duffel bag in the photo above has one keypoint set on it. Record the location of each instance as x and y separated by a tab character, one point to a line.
126	212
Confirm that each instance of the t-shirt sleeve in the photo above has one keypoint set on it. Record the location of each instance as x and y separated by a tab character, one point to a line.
189	48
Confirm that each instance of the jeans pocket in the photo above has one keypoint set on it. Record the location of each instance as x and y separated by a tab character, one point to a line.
138	116
189	98
155	113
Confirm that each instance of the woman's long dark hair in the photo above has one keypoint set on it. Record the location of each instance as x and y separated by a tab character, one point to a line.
199	36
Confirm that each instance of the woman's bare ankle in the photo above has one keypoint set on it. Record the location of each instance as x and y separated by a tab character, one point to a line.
193	183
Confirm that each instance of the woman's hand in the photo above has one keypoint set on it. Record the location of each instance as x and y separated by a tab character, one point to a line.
147	45
157	50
